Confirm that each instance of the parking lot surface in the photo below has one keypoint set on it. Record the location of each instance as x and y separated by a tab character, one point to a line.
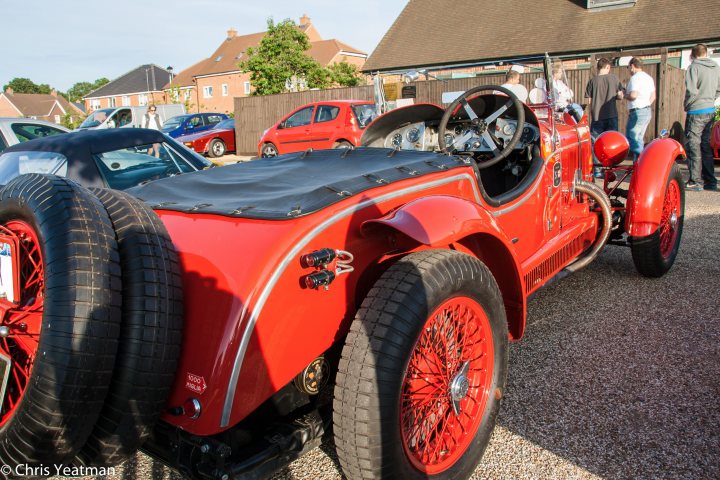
618	376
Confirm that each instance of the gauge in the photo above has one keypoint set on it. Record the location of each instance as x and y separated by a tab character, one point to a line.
413	135
396	140
449	139
509	129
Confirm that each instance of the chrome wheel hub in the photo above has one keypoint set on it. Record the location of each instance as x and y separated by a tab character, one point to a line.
459	387
4	331
673	220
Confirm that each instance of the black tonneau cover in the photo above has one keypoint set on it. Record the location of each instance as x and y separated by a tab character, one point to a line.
290	185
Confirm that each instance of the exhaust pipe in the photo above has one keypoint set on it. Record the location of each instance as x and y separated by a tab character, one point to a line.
597	194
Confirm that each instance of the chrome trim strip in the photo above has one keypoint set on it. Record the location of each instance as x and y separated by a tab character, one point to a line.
250	327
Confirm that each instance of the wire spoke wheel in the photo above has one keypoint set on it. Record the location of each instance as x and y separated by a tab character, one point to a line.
21	320
669	222
447	384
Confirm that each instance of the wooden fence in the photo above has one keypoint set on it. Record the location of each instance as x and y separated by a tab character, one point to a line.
255	114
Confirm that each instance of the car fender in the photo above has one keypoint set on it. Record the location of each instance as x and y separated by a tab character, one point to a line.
647	186
441	221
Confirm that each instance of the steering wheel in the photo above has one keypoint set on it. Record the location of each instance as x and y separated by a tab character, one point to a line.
481	126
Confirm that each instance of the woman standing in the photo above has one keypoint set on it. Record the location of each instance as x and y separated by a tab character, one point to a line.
152	120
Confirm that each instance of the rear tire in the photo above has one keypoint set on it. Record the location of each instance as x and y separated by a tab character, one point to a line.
655	254
216	148
432	325
69	302
150	334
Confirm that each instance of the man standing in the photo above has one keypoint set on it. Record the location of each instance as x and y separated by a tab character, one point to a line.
702	87
640	94
512	83
603	90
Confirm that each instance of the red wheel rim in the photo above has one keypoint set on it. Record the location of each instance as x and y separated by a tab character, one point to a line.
447	385
21	321
670	221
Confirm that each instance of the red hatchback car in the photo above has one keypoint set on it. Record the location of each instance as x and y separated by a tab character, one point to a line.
320	125
215	142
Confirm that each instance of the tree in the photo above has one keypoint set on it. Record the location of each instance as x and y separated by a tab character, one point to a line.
280	56
80	89
72	119
344	74
25	85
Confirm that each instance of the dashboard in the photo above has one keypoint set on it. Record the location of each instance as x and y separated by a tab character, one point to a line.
460	136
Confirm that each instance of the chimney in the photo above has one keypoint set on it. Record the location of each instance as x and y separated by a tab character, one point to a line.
232	33
9	91
53	92
304	20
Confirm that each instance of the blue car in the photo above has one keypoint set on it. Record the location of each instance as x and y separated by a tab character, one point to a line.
192	123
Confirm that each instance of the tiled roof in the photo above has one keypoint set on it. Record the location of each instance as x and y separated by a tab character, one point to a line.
325	50
443	32
226	57
145	78
37	104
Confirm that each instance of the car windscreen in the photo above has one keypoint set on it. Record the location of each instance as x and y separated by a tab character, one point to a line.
133	166
31	131
365	113
96	118
174	122
229	123
13	164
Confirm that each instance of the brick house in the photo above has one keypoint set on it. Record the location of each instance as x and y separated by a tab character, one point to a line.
50	107
138	87
212	83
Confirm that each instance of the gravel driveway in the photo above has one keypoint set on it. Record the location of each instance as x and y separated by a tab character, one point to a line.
618	376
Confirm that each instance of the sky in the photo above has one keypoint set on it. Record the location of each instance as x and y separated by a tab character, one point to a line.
64	42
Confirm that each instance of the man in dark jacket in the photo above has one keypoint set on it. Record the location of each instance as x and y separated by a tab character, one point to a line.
702	84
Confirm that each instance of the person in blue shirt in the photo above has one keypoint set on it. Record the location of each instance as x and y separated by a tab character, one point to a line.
702	87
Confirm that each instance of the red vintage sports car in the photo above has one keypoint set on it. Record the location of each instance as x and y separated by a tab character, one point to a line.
374	290
215	142
332	124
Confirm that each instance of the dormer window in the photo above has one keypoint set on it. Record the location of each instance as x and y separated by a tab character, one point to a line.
218	58
609	4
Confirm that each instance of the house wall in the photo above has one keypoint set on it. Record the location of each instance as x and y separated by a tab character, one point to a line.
153	97
55	115
7	109
218	103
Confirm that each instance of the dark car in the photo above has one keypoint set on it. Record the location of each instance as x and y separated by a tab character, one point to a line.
191	123
215	142
119	158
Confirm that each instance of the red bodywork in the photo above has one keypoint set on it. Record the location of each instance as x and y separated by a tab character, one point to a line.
201	141
322	131
251	326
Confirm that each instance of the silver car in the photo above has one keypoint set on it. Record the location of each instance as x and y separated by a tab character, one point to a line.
18	130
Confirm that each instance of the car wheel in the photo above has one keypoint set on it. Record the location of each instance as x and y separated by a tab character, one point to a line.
343	144
269	150
60	320
432	327
150	333
654	254
216	148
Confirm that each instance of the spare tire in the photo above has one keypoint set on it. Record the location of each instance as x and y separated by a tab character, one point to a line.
150	334
59	318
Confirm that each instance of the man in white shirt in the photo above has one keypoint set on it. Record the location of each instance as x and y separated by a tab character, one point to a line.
512	83
640	94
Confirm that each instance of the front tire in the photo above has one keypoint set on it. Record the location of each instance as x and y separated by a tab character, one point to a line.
268	151
216	148
655	254
343	144
422	372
